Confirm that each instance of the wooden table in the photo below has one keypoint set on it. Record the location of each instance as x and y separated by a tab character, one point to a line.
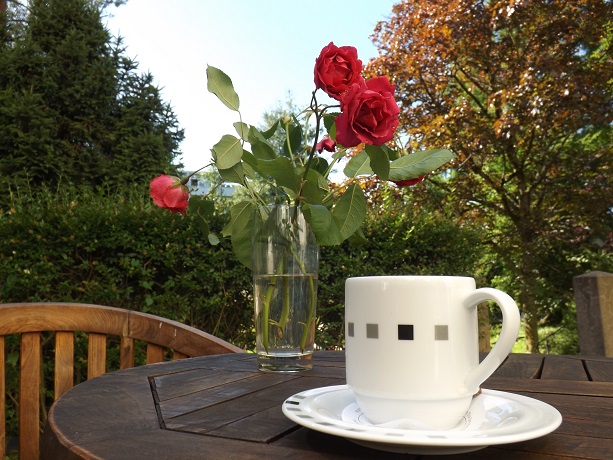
221	407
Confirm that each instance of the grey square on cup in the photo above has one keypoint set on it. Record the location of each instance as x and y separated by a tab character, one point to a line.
441	332
350	329
372	331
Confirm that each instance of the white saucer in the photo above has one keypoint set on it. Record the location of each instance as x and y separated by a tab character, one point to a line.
494	417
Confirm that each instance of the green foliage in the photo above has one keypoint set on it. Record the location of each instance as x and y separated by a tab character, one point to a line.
115	249
401	239
119	250
296	173
393	168
72	107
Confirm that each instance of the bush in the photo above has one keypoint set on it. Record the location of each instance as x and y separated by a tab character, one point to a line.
119	250
409	241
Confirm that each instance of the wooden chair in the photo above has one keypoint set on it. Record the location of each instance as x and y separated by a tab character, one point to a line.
30	319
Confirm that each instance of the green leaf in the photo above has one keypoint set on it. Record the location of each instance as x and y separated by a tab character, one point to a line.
240	229
227	152
295	140
203	225
242	243
221	86
249	171
249	158
350	211
249	164
262	150
242	129
201	206
316	177
282	171
419	163
240	214
329	123
379	161
359	165
311	193
358	237
201	209
271	131
315	186
234	174
255	135
213	239
323	225
391	153
320	165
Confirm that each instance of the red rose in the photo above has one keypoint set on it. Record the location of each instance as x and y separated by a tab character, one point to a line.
369	114
168	192
408	182
336	69
325	144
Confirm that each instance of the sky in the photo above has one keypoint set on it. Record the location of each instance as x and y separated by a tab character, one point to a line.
267	47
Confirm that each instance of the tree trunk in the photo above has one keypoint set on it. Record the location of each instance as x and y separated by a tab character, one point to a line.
527	299
531	321
483	312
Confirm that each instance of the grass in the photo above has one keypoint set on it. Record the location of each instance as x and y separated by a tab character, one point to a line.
557	340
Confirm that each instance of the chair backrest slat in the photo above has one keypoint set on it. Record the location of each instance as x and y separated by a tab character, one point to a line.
64	363
30	319
178	355
96	355
29	395
155	353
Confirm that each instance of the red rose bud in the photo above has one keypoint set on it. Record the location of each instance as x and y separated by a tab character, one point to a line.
369	114
326	144
336	69
409	182
169	193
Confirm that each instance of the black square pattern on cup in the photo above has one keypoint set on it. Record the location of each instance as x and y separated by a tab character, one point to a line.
350	329
405	332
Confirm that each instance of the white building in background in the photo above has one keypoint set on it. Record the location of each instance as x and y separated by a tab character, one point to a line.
199	185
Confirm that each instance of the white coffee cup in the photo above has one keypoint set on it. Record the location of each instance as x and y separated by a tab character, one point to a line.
412	347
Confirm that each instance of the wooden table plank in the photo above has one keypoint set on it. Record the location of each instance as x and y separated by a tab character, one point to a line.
198	400
604	389
600	370
566	446
220	416
521	366
579	425
558	368
236	412
177	384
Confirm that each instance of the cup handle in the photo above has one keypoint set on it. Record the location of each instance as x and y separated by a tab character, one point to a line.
508	334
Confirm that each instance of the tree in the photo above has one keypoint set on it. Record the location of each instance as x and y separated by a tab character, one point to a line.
72	107
521	92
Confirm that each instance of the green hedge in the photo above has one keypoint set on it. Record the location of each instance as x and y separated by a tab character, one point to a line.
120	250
400	241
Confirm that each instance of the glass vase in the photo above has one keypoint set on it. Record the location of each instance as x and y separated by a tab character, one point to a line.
285	265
